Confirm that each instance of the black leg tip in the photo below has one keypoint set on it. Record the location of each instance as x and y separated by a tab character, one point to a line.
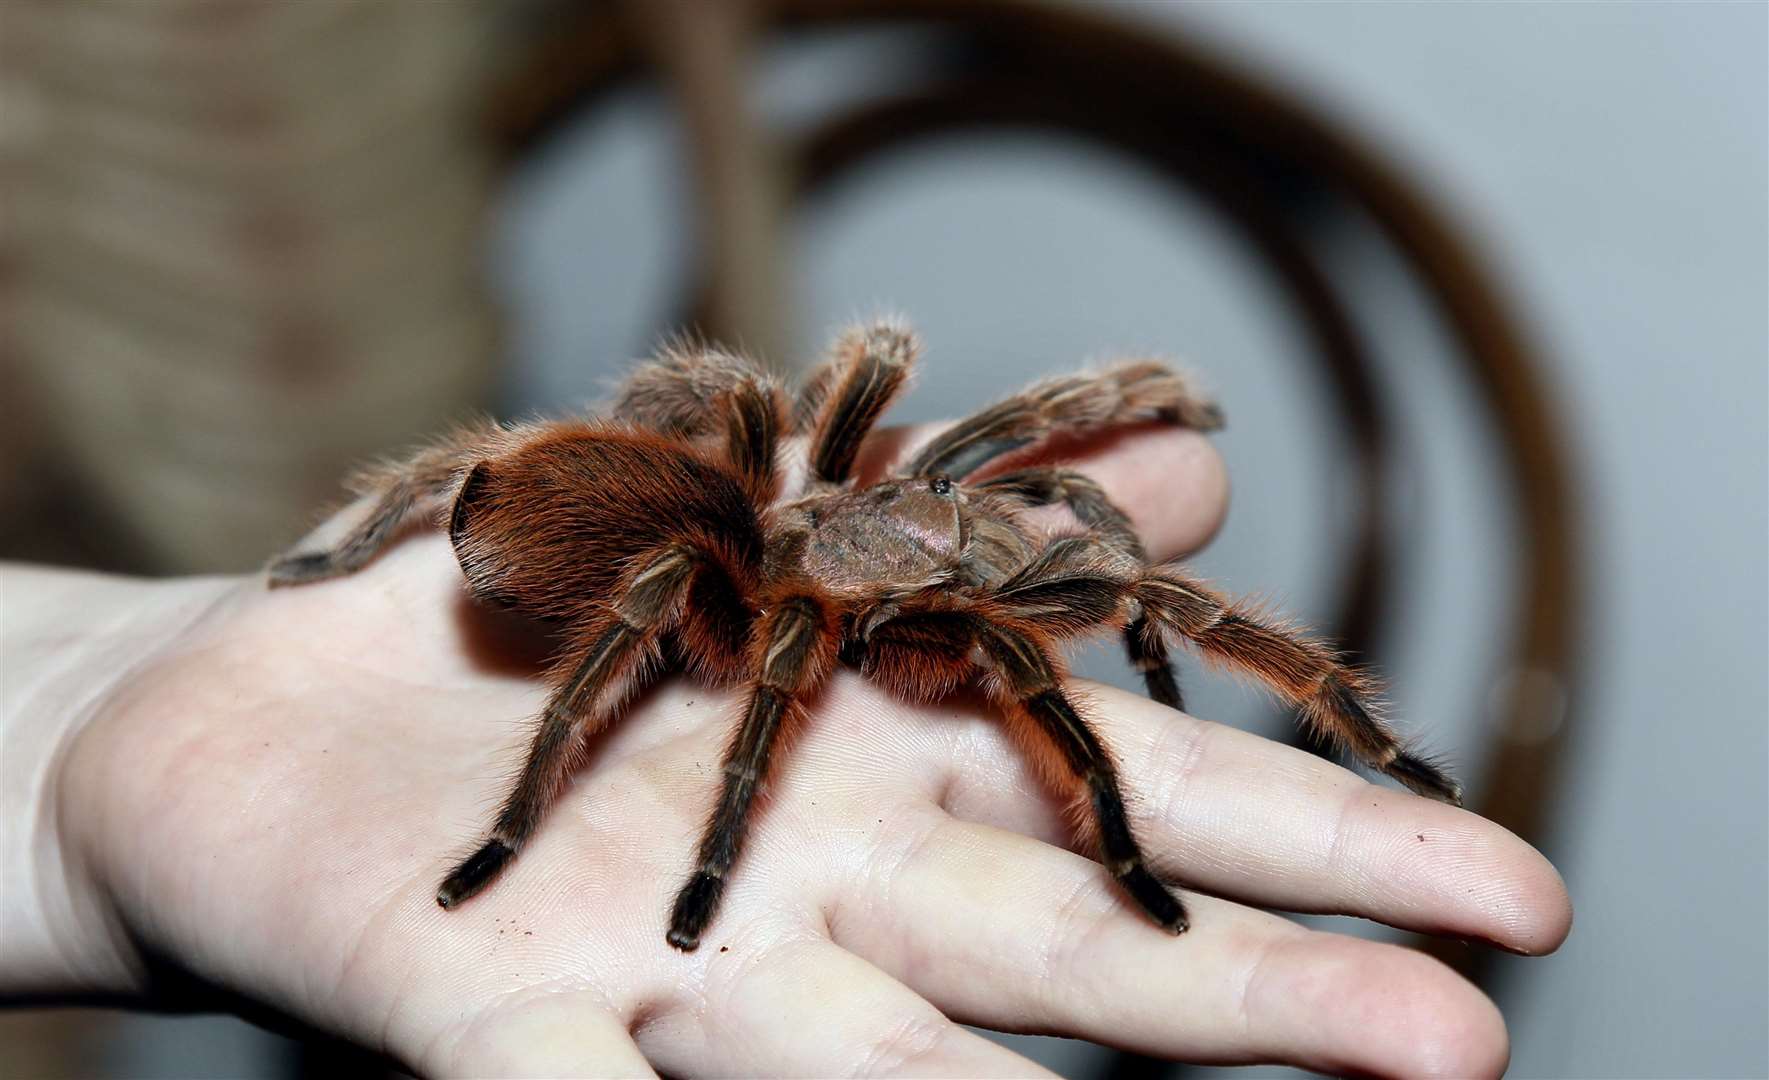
301	569
695	906
1425	777
1164	688
474	874
1161	905
311	567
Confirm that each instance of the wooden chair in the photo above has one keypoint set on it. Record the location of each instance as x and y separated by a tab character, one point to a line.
1266	161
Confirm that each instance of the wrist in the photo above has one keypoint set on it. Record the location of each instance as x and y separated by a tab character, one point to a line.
68	642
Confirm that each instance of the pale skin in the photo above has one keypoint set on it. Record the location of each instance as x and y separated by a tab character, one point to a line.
261	788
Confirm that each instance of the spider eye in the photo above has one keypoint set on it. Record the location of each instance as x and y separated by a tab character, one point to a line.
940	485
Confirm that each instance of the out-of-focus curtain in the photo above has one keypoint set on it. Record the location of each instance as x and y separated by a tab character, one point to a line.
241	253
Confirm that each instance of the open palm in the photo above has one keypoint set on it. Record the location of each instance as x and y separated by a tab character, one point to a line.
271	800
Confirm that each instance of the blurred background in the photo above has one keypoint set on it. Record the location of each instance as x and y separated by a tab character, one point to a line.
1484	289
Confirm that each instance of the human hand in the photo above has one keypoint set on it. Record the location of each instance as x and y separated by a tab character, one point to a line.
268	797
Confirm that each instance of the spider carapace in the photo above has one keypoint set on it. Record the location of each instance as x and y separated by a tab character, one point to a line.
683	526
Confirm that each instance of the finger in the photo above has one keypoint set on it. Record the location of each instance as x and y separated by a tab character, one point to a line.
1171	481
1238	815
1002	930
811	1008
549	1034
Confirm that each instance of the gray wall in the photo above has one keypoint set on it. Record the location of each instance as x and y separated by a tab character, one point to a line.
1614	157
1611	159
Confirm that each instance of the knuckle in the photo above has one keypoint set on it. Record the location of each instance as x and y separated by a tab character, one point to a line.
910	1040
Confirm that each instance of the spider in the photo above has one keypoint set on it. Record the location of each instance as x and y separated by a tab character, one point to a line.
672	536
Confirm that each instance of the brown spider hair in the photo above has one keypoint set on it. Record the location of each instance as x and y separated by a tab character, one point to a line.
670	530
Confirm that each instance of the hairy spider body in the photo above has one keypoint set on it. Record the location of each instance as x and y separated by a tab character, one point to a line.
672	530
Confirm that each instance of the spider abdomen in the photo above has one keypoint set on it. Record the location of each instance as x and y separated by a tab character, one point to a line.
550	526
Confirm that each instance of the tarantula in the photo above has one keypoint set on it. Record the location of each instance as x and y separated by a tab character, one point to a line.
672	536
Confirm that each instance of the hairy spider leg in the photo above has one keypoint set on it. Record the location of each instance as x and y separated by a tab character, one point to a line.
1073	586
401	490
794	647
609	657
1131	392
1047	486
1074	580
690	390
1331	696
1032	684
842	400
